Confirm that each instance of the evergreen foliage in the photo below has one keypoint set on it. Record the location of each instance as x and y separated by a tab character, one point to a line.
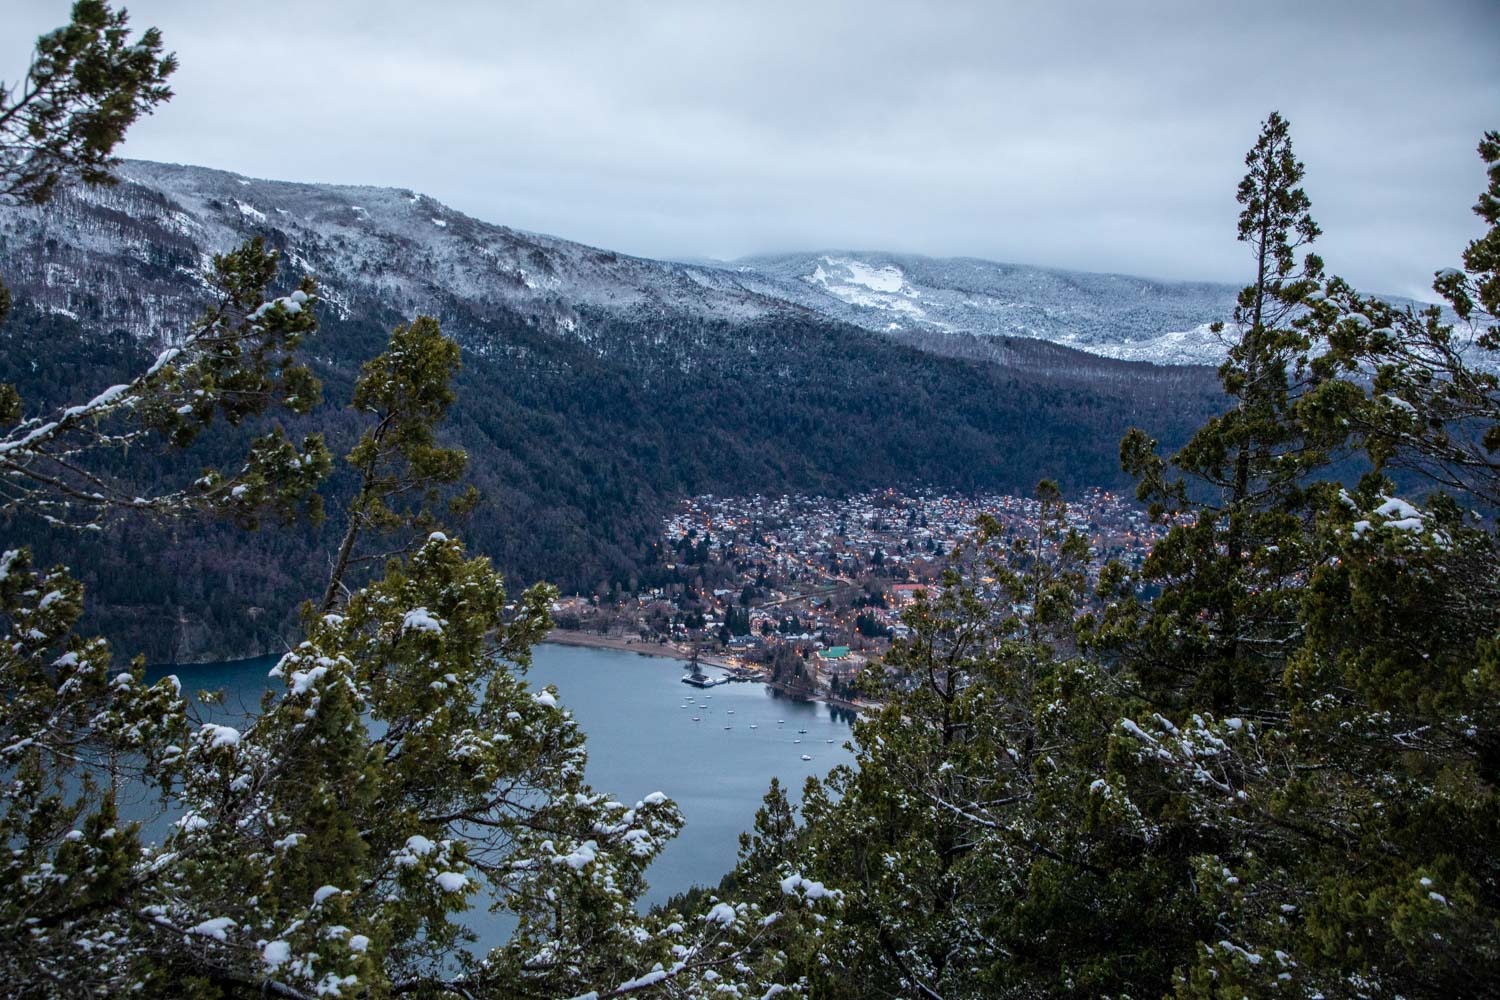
1224	577
406	390
86	85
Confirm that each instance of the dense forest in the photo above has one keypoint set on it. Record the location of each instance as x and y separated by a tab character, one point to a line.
579	450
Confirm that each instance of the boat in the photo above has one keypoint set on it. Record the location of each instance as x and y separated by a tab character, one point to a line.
696	719
806	757
729	711
796	741
802	730
728	727
754	726
781	722
830	741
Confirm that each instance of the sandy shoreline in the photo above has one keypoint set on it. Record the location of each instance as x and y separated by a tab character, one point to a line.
625	644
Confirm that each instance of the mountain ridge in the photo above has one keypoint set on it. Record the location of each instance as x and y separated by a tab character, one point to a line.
491	263
355	231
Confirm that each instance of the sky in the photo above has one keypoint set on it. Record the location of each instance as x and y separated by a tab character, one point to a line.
1102	136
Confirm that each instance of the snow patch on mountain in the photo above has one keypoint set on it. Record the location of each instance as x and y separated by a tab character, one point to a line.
881	279
1114	316
1200	345
859	284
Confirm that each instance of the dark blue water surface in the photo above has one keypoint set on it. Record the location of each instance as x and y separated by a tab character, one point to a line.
642	739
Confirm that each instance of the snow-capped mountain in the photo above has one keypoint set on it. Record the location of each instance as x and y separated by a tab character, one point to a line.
140	240
160	225
1117	316
163	222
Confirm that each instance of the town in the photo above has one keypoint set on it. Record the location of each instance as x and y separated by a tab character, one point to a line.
801	592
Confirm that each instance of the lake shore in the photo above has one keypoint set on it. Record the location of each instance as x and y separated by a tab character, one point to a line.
628	644
557	637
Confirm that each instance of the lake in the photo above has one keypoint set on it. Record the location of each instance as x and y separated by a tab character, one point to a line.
641	739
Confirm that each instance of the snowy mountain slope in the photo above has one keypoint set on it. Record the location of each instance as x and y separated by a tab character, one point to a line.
922	300
1112	315
117	257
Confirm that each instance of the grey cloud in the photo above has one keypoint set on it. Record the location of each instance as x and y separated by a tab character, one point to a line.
1095	135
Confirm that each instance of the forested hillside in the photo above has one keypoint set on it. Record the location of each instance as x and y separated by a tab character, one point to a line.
581	443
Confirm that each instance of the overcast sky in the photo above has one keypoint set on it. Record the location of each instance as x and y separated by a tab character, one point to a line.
1102	136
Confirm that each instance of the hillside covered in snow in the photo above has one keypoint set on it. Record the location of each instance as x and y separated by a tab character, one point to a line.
1111	315
414	254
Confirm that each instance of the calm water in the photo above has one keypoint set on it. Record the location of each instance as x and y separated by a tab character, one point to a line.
641	739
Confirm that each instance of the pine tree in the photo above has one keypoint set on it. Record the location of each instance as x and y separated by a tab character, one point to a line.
88	82
766	850
85	87
405	390
75	729
1409	385
975	849
1027	820
1347	829
1224	568
1388	779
